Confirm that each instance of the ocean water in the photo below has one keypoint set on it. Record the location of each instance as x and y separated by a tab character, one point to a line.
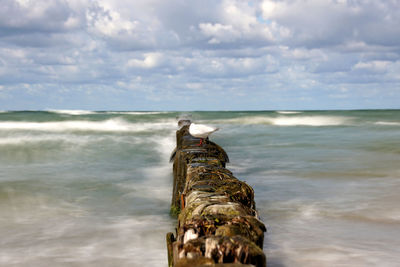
83	188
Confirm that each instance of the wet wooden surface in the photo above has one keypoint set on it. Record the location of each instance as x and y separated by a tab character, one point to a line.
217	219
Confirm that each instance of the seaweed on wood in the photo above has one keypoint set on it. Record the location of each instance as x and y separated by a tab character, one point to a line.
217	219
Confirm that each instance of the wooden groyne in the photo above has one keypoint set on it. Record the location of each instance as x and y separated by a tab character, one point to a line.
217	220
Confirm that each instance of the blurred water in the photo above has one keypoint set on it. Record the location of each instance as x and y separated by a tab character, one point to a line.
83	188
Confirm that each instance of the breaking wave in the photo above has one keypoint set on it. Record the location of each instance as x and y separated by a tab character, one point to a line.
55	138
294	121
390	123
89	112
72	111
111	125
288	112
137	112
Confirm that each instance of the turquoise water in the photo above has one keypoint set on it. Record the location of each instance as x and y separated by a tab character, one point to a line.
80	188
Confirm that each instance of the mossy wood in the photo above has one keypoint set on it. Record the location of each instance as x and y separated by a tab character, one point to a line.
217	219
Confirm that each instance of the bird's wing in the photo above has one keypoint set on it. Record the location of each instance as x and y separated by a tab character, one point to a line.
201	128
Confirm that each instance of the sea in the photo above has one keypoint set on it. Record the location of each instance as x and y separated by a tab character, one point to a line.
93	188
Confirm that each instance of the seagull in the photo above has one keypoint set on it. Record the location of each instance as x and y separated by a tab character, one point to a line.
201	131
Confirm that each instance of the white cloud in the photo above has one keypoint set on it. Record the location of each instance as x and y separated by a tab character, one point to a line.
329	23
237	23
151	60
269	8
283	47
196	86
109	22
36	16
372	66
219	33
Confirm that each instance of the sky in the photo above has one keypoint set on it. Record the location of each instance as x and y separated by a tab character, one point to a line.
199	55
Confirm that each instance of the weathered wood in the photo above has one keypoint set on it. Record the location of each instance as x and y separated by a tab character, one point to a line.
217	219
170	240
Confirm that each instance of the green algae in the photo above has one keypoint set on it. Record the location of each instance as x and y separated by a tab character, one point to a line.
216	211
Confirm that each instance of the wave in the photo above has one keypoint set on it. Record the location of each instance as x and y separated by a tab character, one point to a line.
117	239
293	121
390	123
28	139
56	138
288	112
382	218
111	125
302	212
89	112
72	111
137	112
362	213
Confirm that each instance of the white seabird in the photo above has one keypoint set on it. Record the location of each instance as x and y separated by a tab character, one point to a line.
201	131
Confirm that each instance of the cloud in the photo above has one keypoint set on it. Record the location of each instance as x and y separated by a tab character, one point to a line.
260	54
230	29
317	23
377	67
151	60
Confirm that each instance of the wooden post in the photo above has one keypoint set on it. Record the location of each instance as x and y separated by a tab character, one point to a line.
217	219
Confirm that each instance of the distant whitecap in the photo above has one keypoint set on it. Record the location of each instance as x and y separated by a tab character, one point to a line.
111	125
288	112
391	123
72	111
293	121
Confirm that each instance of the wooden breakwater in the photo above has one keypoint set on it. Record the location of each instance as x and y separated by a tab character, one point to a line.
217	220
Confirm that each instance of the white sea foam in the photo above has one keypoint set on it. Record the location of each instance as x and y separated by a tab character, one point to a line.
329	255
124	241
309	121
111	125
137	112
389	215
391	123
309	212
157	174
60	138
303	213
288	112
26	139
293	121
72	111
